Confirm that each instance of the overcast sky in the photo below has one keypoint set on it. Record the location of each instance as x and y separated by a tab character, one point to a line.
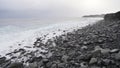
55	8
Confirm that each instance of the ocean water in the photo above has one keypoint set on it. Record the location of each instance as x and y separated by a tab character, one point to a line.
25	32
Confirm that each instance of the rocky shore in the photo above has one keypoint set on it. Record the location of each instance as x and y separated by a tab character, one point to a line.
96	46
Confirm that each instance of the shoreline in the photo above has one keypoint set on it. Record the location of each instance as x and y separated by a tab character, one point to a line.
93	46
10	42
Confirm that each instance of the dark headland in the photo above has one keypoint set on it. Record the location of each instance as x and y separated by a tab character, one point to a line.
95	46
94	16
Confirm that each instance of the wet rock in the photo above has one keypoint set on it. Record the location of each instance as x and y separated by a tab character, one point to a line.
10	54
83	65
61	65
85	42
65	58
27	46
91	52
99	62
48	55
93	61
103	67
2	59
85	57
77	64
112	62
84	48
88	56
6	64
21	49
53	44
33	65
106	61
65	41
49	64
71	52
13	57
105	51
54	66
95	67
117	56
97	48
35	59
40	64
16	65
45	61
114	51
96	53
100	41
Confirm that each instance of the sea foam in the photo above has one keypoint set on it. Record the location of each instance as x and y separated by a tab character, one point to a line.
11	36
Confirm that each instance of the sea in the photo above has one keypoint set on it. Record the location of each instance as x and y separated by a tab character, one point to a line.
25	31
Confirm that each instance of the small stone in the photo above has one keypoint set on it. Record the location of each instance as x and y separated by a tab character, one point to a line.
35	59
33	65
48	55
13	57
99	62
83	65
112	61
84	48
103	67
97	48
85	43
93	61
27	46
77	64
95	67
64	58
106	61
96	53
65	41
54	66
105	51
85	57
21	49
53	44
49	64
45	60
114	51
61	65
81	57
100	41
117	56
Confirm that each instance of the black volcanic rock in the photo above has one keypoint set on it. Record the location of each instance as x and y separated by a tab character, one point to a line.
94	46
112	16
16	65
2	59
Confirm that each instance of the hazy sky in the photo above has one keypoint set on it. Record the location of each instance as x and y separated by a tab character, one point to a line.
55	8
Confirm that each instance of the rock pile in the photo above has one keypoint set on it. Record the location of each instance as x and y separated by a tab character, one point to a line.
112	16
95	46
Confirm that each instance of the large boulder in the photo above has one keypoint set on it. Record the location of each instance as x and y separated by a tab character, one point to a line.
16	65
112	16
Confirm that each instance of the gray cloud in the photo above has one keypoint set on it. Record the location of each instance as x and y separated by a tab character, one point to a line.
51	8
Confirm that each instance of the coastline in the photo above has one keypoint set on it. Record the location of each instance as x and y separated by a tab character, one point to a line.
93	46
10	41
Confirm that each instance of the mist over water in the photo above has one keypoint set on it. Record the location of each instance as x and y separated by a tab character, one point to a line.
13	32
